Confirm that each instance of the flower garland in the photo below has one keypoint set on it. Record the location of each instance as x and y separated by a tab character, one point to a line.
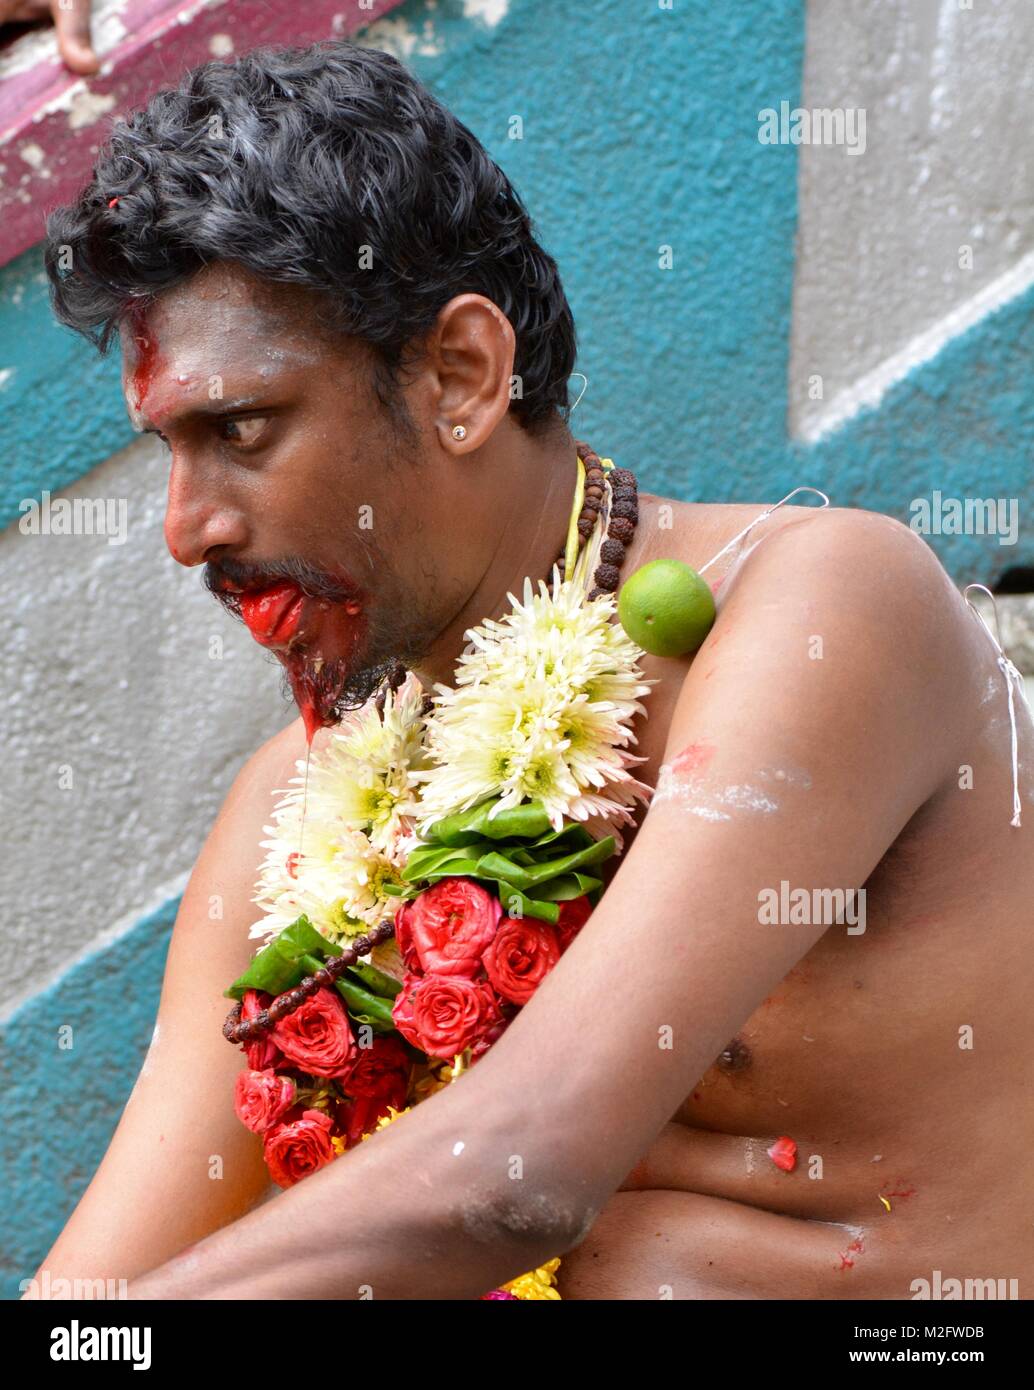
476	822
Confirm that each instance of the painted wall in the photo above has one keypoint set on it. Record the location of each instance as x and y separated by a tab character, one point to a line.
679	236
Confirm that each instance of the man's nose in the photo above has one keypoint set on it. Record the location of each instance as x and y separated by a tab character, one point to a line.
198	518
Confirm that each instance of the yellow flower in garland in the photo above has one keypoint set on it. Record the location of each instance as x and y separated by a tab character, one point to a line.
386	1120
540	1284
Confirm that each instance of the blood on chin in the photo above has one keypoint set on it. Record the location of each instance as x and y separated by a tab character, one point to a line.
316	641
316	686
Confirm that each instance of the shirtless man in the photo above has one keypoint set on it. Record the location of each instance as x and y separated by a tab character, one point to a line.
844	725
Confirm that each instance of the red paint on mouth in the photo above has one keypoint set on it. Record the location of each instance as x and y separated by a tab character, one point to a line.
314	639
271	614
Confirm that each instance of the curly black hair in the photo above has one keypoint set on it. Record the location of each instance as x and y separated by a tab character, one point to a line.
331	167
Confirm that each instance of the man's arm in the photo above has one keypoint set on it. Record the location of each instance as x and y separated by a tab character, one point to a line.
180	1163
828	704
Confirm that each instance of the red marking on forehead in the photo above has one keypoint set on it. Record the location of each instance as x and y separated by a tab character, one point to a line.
147	359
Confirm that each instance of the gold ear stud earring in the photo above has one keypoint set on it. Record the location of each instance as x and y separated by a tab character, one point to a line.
459	431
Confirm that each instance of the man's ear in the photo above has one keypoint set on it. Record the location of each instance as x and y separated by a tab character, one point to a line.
470	354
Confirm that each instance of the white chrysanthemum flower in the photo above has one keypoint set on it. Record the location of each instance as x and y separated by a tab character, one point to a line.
542	709
342	895
359	819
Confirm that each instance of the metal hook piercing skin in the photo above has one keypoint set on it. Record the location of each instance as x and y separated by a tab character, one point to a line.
763	516
1011	674
581	393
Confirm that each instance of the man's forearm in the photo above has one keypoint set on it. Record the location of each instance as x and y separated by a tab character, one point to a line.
424	1208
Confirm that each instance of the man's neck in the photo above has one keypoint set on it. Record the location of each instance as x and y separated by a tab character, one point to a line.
531	537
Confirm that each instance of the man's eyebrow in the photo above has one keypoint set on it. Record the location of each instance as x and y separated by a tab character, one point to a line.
211	411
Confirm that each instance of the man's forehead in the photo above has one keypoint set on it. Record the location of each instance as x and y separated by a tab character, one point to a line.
223	323
221	302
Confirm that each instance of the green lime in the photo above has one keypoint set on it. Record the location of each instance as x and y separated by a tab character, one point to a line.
666	608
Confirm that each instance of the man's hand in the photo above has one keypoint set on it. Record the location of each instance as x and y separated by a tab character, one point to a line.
72	22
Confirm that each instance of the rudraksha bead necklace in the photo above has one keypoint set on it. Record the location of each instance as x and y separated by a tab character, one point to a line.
621	517
622	513
238	1030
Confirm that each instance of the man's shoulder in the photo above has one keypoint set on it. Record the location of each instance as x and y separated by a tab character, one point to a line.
273	763
848	550
854	557
862	584
871	595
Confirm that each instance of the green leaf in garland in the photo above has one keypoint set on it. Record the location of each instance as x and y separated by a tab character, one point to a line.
519	822
375	980
377	1024
301	937
583	858
566	887
572	834
498	867
519	904
428	859
276	967
364	1007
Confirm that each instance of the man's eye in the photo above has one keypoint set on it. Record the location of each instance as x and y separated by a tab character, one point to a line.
244	430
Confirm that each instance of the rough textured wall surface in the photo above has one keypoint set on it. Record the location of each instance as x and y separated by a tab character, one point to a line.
640	150
947	164
132	701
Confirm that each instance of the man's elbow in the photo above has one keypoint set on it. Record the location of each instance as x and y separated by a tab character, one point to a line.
534	1222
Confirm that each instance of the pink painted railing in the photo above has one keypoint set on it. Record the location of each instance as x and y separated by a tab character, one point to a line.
52	122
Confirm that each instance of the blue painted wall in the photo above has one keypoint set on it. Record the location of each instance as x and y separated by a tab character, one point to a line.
68	1061
640	132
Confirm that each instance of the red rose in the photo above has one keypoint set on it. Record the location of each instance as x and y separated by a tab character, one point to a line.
381	1071
354	1118
520	957
573	916
450	924
443	1014
261	1097
261	1053
317	1037
404	936
293	1151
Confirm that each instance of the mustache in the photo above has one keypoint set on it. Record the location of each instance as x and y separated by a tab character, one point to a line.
313	582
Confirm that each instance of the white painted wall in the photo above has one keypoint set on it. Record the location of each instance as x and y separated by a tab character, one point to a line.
948	162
